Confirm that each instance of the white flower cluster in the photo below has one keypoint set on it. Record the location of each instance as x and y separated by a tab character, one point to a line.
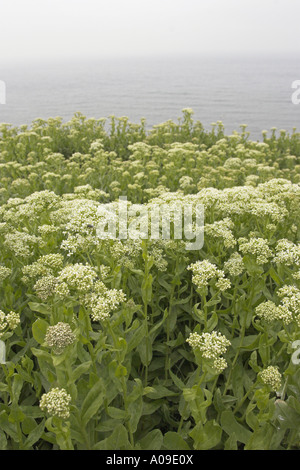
235	265
77	277
103	301
287	253
185	182
256	246
271	377
4	273
45	287
20	243
47	265
78	218
222	229
47	230
56	403
269	209
270	312
10	320
126	252
31	207
204	271
296	276
290	299
3	322
59	337
212	346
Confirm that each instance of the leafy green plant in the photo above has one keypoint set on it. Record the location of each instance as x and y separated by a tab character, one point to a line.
142	344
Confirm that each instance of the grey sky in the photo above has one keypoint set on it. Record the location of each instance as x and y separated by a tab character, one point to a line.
121	28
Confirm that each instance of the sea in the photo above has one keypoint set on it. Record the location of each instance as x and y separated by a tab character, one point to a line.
256	91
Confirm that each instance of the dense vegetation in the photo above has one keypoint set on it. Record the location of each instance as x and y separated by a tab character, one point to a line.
142	344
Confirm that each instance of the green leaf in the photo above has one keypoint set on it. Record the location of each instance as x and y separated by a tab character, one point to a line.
177	381
275	276
261	438
231	442
60	358
8	427
80	370
173	441
3	441
230	425
16	388
39	353
145	351
135	410
35	435
159	391
253	362
212	322
40	308
147	289
116	413
288	418
108	425
120	371
238	372
32	411
252	267
39	329
249	342
16	415
118	440
150	407
152	441
92	402
206	436
261	397
263	348
136	337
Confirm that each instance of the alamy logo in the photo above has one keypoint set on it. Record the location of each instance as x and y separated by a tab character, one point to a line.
166	221
2	352
296	354
296	94
2	92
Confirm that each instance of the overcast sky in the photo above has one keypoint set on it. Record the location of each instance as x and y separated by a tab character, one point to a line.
35	29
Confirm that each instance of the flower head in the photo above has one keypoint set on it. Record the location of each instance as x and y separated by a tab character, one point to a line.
204	271
257	247
271	312
45	287
13	320
56	403
4	273
3	321
271	377
78	277
212	346
59	337
235	265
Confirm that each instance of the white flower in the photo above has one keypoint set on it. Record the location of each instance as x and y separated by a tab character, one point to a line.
59	337
272	377
212	345
270	312
56	403
257	247
4	273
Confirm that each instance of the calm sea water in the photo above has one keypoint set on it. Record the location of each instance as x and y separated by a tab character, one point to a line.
252	91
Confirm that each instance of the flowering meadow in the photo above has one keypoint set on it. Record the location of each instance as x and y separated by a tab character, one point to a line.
142	344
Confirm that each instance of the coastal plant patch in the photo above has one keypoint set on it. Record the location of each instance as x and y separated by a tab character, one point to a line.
137	342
